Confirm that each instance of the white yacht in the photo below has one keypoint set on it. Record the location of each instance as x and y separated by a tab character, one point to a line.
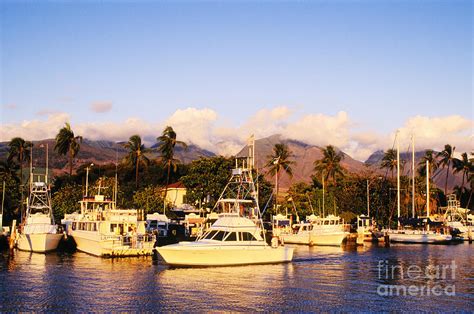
236	238
38	232
315	231
103	230
416	234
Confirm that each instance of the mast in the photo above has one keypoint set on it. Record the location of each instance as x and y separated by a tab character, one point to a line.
3	201
116	178
398	179
368	199
413	175
323	194
47	163
428	193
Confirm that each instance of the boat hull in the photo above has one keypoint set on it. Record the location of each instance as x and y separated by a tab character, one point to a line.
327	239
94	244
184	255
419	238
38	242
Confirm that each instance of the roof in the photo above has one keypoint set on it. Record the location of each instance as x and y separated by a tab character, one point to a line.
176	185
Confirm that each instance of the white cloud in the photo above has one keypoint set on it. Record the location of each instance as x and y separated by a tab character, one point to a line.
101	106
435	132
120	131
194	126
319	129
34	129
206	129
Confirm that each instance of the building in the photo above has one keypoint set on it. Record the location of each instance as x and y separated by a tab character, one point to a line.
176	194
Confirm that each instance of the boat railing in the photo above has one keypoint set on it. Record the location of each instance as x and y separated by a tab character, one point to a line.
132	241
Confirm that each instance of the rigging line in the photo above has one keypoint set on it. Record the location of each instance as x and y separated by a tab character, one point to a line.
266	205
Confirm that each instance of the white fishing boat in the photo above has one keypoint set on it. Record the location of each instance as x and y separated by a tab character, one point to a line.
38	232
459	219
367	230
416	233
237	237
103	230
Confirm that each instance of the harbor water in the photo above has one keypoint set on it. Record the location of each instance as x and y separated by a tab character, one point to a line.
319	279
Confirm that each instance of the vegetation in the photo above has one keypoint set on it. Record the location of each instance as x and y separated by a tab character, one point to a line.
136	154
149	198
330	165
68	144
447	156
66	201
279	160
19	151
205	178
166	148
389	160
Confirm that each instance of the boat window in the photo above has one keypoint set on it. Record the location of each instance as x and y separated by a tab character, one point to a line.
112	227
219	236
210	234
232	236
247	236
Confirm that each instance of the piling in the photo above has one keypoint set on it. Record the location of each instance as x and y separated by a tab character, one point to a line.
386	238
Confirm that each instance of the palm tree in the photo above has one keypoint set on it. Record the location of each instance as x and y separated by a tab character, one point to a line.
389	160
447	155
278	161
19	150
136	154
433	163
68	144
330	164
9	169
166	148
463	165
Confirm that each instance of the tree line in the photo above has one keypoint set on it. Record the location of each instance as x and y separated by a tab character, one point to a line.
143	181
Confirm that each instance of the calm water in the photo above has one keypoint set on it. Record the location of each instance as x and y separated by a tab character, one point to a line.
319	278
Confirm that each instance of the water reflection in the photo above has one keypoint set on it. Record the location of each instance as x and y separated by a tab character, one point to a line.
320	278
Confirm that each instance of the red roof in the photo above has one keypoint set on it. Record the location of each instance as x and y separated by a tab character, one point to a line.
177	185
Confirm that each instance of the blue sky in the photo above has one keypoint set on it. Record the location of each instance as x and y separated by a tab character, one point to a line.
380	62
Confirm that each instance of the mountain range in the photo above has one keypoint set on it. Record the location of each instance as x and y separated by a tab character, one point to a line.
304	156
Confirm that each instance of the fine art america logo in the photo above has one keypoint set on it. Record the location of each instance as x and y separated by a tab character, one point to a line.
430	280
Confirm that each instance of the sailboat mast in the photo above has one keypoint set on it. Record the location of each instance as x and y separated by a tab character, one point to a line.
47	163
3	202
428	192
413	175
398	180
323	194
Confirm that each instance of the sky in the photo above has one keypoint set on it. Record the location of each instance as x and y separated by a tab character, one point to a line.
346	73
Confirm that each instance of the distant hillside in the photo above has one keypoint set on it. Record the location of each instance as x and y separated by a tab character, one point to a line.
98	152
439	177
304	156
103	152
